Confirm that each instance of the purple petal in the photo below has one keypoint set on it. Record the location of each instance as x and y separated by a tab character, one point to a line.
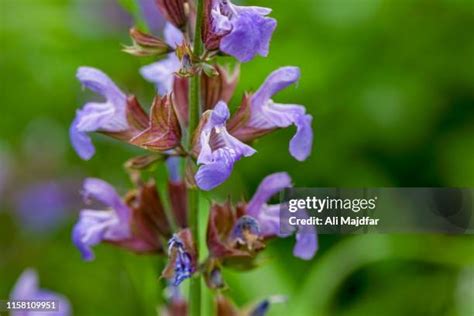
100	83
162	73
106	194
215	172
252	9
173	36
265	114
302	142
90	230
151	14
107	116
221	23
27	288
250	35
306	243
26	285
95	226
220	114
276	81
270	222
81	142
271	185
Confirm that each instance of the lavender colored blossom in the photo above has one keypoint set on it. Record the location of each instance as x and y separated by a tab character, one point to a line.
162	72
27	288
268	216
151	14
95	226
266	114
183	265
246	31
107	116
43	206
219	150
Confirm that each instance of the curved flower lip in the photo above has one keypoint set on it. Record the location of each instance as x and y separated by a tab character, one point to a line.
269	186
275	82
259	115
218	149
27	288
108	116
269	219
106	194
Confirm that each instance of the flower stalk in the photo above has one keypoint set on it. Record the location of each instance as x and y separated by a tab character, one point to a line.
189	125
195	110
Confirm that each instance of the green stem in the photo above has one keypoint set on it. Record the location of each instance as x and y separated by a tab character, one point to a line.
195	282
193	194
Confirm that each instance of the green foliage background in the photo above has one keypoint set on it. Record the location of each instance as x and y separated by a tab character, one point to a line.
390	84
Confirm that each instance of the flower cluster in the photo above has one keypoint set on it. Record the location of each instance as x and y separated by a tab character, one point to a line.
208	140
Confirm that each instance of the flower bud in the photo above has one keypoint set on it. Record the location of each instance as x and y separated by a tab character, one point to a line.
146	45
218	87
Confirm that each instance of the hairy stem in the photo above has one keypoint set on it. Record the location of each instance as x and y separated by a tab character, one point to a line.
193	197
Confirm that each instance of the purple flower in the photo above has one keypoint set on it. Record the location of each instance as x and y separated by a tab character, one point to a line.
95	226
161	73
109	116
151	14
41	207
219	150
266	115
27	288
183	268
268	216
245	31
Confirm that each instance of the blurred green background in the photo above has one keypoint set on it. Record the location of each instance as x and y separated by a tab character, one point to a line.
390	84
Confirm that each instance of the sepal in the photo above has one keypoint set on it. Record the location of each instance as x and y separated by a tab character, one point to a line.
219	87
174	11
163	131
